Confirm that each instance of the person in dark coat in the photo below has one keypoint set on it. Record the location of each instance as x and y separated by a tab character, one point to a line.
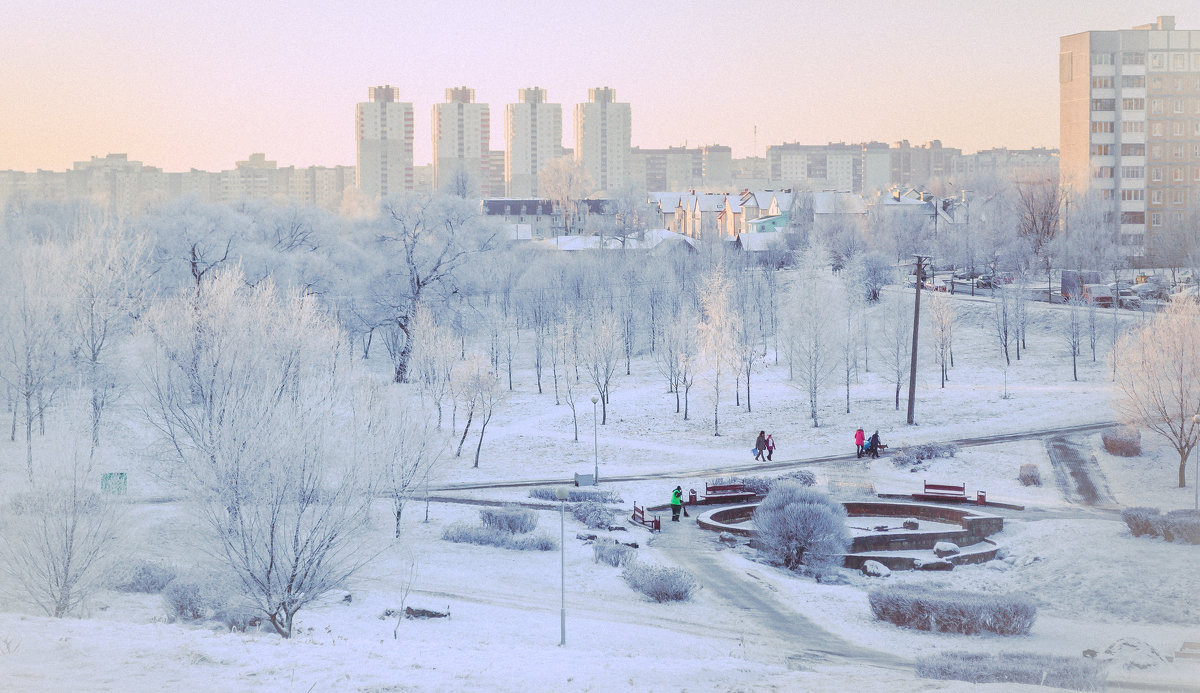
760	446
873	444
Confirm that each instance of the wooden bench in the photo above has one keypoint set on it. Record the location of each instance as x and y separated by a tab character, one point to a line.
654	524
726	493
945	493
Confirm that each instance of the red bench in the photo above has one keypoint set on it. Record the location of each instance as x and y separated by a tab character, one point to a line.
948	490
726	493
654	524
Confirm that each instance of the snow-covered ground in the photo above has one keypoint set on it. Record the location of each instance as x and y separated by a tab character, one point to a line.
1094	583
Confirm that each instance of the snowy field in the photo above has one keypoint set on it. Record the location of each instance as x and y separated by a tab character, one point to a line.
1093	582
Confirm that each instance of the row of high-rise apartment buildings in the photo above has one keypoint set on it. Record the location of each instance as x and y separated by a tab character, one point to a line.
130	187
461	132
1130	131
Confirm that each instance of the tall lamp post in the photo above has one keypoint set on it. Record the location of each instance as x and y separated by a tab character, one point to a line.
912	369
595	445
562	541
1196	454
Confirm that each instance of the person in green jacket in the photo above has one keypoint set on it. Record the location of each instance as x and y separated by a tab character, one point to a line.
676	503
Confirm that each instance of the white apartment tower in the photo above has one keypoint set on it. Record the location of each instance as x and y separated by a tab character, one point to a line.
461	139
603	130
533	132
384	133
1130	131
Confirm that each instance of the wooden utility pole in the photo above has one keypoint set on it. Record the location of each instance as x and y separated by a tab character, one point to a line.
912	368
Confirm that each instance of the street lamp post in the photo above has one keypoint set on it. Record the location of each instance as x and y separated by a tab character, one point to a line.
595	445
562	541
1196	478
912	369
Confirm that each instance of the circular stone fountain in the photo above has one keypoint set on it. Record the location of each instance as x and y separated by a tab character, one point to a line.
879	534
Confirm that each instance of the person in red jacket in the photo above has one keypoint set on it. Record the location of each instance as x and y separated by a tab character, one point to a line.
859	437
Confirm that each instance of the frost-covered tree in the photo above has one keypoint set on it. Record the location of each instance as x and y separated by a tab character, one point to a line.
433	356
1158	378
816	302
802	527
565	182
942	314
599	354
715	332
896	341
246	393
1073	332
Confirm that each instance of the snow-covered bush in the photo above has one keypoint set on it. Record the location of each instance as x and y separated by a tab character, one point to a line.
593	515
1030	475
1182	526
1122	441
465	533
509	519
149	576
916	454
953	611
658	582
1073	673
1142	522
613	552
197	596
761	485
802	526
577	495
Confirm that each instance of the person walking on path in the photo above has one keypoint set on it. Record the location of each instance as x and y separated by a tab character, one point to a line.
873	444
859	438
760	446
676	503
770	446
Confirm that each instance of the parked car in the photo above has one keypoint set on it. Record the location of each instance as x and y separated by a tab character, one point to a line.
1149	290
1102	295
936	284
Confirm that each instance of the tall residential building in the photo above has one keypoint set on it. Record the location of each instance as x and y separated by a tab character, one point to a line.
1130	129
462	135
384	133
603	136
533	133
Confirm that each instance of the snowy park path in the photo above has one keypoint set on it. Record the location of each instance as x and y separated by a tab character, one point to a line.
1078	478
756	610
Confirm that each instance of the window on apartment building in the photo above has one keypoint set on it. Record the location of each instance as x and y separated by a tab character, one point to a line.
1196	174
1133	104
1177	151
1178	197
1156	151
1104	104
1133	217
1156	174
1196	61
1179	61
1103	126
1196	128
1156	129
1102	59
1196	151
1156	197
1178	106
1177	174
1106	194
1156	105
1100	150
1156	219
1177	128
1102	83
1128	195
1130	59
1133	126
1133	81
1177	84
1158	61
1133	150
1102	172
1156	82
1133	172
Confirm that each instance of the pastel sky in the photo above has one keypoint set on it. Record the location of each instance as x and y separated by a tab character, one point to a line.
204	83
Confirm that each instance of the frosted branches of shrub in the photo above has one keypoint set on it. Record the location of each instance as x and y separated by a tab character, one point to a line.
1182	526
915	454
1073	673
466	533
612	552
1030	475
761	485
658	582
593	515
509	519
150	577
953	611
577	495
802	526
1122	441
1142	521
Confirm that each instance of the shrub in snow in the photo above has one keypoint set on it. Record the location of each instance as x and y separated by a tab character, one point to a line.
915	454
1182	526
613	553
593	515
1122	441
465	533
198	596
146	576
1030	476
952	611
577	495
1142	521
761	485
802	526
1073	673
658	582
509	519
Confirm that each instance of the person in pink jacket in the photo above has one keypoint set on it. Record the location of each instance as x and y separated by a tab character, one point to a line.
859	437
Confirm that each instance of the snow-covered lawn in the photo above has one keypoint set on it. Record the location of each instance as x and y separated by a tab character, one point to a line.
1093	582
